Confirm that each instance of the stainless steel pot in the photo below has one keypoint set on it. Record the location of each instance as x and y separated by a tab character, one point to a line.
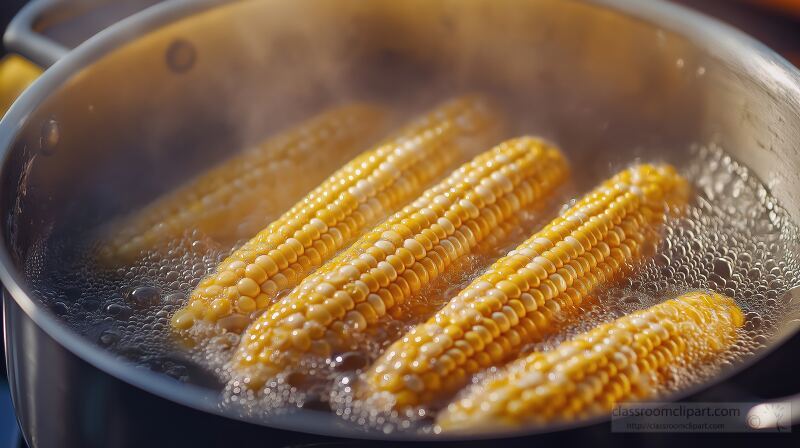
160	95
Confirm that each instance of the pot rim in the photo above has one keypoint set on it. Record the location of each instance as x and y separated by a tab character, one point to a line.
722	41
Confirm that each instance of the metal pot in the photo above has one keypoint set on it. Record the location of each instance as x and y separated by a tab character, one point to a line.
157	96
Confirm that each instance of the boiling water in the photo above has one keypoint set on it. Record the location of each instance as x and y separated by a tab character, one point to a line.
734	238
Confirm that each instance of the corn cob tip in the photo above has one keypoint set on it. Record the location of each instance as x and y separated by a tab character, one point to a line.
620	361
658	183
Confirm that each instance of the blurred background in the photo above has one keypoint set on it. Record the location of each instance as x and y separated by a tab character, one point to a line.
774	22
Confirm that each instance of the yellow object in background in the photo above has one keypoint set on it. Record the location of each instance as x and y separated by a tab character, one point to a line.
16	73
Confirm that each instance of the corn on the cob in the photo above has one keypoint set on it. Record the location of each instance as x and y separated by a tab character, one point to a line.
522	295
219	201
394	260
364	191
620	361
438	290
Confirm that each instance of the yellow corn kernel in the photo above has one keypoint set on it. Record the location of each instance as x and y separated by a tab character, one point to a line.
388	265
360	194
525	294
623	360
233	200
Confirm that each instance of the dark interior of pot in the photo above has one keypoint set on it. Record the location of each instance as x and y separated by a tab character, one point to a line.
608	88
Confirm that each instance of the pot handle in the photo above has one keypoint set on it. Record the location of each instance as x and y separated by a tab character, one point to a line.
31	51
21	35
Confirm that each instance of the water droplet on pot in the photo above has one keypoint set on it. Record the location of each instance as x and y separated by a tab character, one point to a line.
50	136
181	56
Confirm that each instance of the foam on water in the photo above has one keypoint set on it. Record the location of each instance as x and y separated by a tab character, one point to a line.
734	238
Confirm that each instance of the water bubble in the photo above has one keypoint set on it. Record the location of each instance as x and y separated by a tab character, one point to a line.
661	260
144	296
300	380
722	267
350	361
631	300
109	337
176	298
59	308
314	400
120	312
90	304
